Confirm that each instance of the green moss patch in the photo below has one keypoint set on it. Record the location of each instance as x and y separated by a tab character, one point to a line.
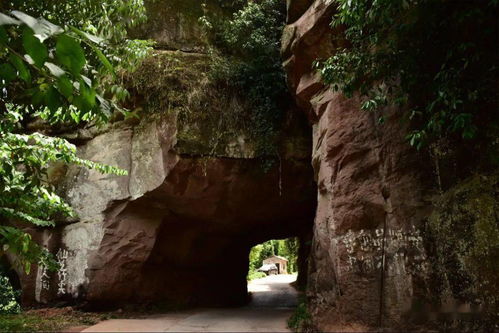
211	120
465	230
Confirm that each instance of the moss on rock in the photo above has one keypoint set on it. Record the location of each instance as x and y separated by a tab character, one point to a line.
465	229
175	24
210	119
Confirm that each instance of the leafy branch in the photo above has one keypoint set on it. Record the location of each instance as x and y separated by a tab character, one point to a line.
44	72
432	58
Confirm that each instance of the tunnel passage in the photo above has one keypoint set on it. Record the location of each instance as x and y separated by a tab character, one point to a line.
187	242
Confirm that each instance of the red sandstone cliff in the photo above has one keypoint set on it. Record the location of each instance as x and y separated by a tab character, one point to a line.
367	263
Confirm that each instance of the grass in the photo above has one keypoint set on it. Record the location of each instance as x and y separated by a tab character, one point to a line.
48	320
300	320
62	319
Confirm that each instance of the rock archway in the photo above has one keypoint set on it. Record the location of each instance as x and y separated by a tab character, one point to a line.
178	228
187	242
198	195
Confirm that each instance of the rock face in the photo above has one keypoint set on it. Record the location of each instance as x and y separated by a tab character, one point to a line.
178	228
368	263
175	24
465	227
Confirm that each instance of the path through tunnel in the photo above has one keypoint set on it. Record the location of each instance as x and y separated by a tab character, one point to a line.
188	241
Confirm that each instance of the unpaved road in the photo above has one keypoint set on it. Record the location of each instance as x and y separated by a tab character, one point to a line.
272	303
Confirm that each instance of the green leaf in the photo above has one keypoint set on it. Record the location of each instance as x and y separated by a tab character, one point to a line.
4	38
37	97
70	54
88	96
7	72
34	48
79	102
86	100
93	38
54	69
23	71
104	61
53	99
65	86
76	116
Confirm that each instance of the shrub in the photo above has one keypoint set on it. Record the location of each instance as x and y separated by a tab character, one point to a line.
300	320
465	245
8	302
253	275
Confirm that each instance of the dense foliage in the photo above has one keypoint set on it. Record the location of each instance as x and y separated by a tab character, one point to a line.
63	76
247	60
437	59
8	302
109	20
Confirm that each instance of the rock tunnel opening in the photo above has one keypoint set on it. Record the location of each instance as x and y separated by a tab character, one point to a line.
273	273
275	256
187	243
285	256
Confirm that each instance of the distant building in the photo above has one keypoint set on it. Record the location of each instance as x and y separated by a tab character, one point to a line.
280	263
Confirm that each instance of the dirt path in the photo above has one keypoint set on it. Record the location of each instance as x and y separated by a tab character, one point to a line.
272	303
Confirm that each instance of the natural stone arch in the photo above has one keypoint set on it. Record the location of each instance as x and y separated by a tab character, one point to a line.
188	241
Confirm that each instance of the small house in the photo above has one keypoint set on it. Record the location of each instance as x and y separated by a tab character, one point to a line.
280	262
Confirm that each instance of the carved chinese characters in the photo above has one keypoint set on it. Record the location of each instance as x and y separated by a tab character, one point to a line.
365	250
62	273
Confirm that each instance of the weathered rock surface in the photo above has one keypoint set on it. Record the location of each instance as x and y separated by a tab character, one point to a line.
178	228
368	262
465	229
175	24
